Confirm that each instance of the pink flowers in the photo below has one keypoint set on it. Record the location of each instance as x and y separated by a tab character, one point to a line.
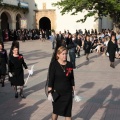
68	71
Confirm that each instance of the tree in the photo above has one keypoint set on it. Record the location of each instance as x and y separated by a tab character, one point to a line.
99	7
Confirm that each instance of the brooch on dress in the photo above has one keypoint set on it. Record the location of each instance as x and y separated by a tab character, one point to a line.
20	57
68	71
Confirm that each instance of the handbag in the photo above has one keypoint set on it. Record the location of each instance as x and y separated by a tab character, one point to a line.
55	95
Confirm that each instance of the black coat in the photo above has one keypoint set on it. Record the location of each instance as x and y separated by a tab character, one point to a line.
16	68
112	48
71	45
59	40
78	42
3	62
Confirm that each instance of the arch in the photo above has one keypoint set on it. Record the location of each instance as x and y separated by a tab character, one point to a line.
45	23
18	17
6	20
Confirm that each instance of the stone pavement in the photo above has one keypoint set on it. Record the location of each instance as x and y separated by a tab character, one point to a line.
96	83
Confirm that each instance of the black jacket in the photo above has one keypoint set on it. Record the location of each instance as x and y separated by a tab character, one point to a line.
112	47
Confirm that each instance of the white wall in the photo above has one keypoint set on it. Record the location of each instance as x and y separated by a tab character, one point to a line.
107	23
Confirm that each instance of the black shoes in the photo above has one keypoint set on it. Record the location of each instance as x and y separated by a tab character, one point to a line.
87	58
2	83
111	65
16	95
21	95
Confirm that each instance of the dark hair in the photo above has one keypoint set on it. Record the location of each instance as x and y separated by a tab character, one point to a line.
86	37
15	44
1	43
114	36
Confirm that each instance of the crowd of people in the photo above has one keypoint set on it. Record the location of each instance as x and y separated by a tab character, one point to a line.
60	83
25	34
89	42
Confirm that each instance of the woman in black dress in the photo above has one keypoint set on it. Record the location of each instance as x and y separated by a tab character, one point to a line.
61	81
3	63
16	73
87	46
111	49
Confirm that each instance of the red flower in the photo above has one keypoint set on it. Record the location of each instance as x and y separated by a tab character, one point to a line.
68	71
20	57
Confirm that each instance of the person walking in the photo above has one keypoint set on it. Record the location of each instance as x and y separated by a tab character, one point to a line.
111	49
53	40
61	85
59	39
87	46
78	41
3	63
16	73
71	46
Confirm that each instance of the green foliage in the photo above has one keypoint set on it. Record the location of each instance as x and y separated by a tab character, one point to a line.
99	7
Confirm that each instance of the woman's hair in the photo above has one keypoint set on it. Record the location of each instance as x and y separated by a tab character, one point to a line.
86	37
112	36
15	44
15	47
1	43
60	50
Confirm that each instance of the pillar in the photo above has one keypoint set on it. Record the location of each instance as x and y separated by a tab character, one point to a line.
13	24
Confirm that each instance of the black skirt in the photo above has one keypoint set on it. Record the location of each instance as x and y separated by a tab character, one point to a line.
3	69
87	51
63	105
112	57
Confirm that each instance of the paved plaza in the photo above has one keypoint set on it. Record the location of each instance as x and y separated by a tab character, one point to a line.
96	82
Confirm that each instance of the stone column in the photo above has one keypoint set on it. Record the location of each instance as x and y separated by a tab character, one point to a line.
13	24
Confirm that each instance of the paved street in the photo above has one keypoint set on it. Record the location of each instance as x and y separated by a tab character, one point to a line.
96	82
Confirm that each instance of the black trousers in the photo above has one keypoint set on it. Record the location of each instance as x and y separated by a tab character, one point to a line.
72	58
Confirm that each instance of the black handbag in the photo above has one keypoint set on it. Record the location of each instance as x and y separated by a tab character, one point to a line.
55	95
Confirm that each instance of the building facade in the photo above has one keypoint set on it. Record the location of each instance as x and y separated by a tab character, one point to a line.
42	15
11	12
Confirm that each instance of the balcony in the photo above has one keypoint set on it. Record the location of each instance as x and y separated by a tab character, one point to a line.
23	4
10	2
15	3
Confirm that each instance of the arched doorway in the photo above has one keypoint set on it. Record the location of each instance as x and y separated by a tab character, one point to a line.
45	23
18	17
5	21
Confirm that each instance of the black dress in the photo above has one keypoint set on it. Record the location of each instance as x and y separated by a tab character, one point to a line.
87	46
62	82
3	62
111	49
16	68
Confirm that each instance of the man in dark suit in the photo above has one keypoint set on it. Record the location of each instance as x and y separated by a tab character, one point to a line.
59	39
